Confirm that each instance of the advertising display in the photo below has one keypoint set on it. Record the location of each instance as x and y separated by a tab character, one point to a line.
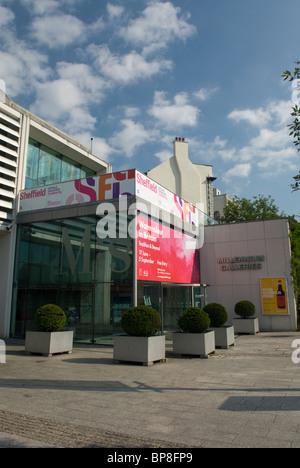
274	296
108	187
104	187
162	198
166	255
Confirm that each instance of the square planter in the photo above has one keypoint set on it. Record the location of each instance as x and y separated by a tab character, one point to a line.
224	336
249	326
145	350
196	344
49	343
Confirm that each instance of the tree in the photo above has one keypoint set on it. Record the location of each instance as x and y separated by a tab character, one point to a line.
295	126
242	209
295	246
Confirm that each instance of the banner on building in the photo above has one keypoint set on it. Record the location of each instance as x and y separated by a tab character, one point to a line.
166	255
274	296
108	187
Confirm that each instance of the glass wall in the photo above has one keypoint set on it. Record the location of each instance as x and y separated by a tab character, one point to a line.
45	166
64	262
170	300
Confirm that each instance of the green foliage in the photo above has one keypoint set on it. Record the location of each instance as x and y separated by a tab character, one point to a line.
295	246
217	314
194	320
242	209
295	125
141	321
244	309
50	318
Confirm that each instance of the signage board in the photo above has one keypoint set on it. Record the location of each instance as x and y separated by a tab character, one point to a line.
274	296
166	255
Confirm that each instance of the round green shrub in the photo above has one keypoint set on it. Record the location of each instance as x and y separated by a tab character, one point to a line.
194	320
244	309
217	314
141	321
50	318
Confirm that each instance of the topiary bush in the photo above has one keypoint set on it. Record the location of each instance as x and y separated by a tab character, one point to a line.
141	321
244	309
194	320
217	314
50	318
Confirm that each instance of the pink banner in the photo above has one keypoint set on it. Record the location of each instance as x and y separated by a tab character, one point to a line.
166	255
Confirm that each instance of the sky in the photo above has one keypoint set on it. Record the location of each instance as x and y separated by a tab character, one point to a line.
134	74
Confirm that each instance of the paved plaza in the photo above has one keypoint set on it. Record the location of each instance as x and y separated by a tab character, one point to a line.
247	396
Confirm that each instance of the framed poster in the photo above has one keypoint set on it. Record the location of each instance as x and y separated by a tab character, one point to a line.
274	296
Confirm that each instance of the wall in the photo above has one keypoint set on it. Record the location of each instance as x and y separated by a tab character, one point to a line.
269	239
189	181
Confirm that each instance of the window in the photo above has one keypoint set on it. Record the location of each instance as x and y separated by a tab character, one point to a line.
45	167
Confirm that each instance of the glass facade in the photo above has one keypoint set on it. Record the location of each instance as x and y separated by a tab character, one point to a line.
64	262
45	166
171	300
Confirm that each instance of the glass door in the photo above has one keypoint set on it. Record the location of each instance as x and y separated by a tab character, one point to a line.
176	299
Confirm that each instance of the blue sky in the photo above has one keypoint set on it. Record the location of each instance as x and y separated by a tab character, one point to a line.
135	74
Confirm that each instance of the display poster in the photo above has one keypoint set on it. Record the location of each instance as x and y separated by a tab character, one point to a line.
91	189
274	296
166	255
108	187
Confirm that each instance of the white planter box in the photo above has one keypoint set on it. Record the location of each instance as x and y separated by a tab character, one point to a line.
224	337
48	343
249	326
145	350
196	344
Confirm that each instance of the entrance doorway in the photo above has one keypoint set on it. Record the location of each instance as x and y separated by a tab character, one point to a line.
171	300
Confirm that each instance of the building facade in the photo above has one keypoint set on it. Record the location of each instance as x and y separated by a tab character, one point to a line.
251	261
100	245
96	242
192	182
32	154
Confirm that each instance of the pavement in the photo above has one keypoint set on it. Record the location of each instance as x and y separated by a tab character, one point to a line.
246	396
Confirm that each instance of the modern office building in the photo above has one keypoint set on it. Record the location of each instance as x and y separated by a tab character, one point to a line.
32	154
96	242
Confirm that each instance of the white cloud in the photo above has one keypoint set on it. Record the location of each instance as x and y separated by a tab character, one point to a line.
99	146
275	112
271	150
239	170
82	76
58	30
131	111
163	155
22	68
66	100
205	93
6	16
114	11
257	117
131	137
43	7
57	98
158	25
176	114
269	138
127	68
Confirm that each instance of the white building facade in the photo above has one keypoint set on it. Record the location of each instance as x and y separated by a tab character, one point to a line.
32	154
251	261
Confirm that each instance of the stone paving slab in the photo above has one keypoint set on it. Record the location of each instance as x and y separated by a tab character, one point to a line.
247	396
